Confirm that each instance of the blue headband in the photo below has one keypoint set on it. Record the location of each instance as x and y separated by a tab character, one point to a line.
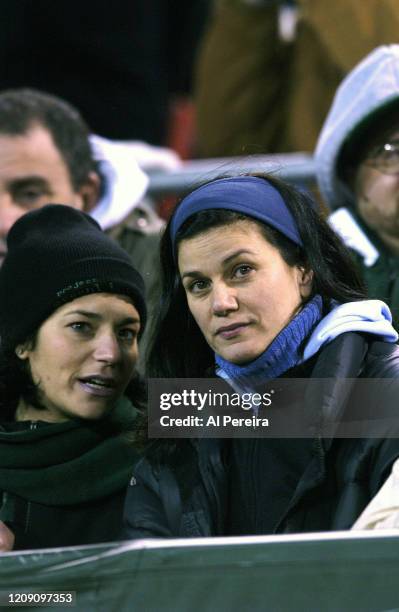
249	195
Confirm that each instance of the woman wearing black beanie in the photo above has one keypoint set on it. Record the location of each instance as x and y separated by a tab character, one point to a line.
71	311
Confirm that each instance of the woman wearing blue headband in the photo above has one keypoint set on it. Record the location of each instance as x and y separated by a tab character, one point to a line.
257	287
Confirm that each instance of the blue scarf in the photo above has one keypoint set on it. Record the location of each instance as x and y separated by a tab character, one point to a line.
285	352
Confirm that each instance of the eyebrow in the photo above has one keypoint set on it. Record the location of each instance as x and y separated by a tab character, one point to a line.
227	260
97	317
26	181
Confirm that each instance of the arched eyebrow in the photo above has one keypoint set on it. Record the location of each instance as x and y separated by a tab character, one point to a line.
226	261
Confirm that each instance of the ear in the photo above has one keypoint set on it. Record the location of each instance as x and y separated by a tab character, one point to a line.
22	352
90	191
305	281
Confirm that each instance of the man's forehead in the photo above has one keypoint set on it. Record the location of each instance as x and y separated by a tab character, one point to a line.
34	149
36	134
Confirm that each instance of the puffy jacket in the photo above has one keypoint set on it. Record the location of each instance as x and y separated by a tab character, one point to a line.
186	493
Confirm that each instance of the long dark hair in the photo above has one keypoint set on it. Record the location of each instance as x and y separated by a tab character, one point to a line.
178	348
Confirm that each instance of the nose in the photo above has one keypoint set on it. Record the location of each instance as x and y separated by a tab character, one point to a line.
224	299
107	349
9	214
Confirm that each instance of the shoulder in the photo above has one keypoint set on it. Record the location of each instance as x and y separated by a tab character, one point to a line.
382	360
360	351
169	454
143	219
374	400
139	234
161	473
179	460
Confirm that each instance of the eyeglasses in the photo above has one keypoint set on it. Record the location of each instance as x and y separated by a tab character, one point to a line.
385	157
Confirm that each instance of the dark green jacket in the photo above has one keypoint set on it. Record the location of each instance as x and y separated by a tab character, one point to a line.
139	234
381	278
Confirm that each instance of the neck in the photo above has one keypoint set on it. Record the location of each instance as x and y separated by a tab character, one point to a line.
27	412
392	242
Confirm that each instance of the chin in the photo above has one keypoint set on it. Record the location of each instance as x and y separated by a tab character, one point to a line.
241	357
90	412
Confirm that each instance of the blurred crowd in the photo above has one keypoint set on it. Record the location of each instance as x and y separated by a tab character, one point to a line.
281	63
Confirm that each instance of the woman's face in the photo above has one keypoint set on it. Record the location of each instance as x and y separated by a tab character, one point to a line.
84	357
239	289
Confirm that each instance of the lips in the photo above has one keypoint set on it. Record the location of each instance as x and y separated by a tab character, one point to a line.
102	386
229	331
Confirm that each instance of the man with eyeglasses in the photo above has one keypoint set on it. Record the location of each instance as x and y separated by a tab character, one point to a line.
357	165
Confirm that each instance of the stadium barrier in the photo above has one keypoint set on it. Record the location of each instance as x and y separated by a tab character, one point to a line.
341	571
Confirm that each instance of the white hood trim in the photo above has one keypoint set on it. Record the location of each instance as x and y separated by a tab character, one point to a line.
345	225
125	183
369	316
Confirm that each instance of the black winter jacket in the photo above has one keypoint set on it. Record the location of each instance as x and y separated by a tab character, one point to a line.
186	493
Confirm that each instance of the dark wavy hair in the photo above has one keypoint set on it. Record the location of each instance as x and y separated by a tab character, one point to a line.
177	347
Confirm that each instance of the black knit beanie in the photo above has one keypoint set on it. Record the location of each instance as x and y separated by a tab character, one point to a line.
56	254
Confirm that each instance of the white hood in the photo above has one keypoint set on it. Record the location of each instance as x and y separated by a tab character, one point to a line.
372	84
368	316
125	183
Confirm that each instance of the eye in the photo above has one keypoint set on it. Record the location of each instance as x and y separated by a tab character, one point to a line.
128	334
81	327
198	286
390	152
28	196
242	270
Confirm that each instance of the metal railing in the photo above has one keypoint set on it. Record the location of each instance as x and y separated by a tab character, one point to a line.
295	168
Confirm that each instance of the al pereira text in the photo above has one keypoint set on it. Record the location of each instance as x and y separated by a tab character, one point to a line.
213	421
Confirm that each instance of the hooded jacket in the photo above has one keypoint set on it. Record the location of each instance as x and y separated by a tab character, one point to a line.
187	492
369	87
124	212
